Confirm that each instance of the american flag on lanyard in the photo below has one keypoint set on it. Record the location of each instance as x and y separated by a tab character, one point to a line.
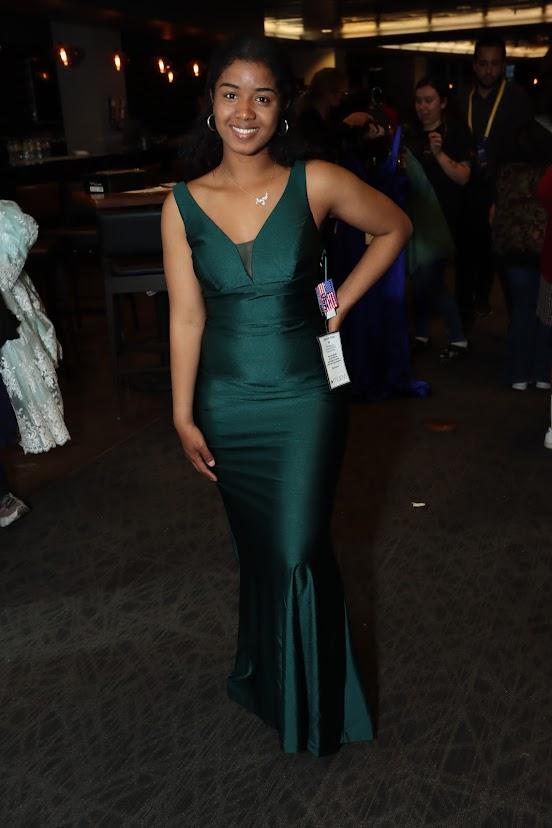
327	298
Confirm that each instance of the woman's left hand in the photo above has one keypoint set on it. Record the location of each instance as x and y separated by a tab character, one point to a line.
435	142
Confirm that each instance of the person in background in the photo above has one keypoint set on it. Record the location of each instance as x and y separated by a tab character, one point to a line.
495	110
518	234
28	363
318	125
11	507
438	167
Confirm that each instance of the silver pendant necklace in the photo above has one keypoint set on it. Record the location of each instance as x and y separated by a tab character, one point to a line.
261	200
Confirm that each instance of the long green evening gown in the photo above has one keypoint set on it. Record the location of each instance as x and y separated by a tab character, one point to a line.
277	434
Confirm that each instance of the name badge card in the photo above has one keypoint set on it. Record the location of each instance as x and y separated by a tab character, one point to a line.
332	356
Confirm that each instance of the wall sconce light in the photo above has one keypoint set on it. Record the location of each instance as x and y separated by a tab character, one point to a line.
170	75
68	56
118	61
195	68
161	66
535	81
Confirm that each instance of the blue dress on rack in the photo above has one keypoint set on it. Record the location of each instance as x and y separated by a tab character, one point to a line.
375	333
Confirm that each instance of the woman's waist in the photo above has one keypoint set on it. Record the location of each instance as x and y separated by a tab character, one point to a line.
262	356
262	313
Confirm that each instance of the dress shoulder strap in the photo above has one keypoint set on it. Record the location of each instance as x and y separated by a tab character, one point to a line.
190	212
183	200
298	176
298	182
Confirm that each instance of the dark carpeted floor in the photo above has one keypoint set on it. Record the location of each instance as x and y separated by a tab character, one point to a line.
118	615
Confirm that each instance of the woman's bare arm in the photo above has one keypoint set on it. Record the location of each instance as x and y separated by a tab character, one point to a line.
335	191
187	320
457	171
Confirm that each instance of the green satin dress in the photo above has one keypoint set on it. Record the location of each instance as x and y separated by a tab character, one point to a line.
277	434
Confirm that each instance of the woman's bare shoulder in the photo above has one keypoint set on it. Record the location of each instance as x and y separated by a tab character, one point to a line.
324	173
203	185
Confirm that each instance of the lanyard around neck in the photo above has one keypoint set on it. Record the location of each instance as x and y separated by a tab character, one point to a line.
493	111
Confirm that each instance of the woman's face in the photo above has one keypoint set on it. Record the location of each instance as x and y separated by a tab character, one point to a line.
429	106
246	106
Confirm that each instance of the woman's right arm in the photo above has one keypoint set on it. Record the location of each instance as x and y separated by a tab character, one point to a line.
187	320
457	171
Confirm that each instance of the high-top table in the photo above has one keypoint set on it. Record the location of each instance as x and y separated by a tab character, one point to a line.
146	197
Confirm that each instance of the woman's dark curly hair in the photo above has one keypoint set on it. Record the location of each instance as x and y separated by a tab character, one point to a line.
201	149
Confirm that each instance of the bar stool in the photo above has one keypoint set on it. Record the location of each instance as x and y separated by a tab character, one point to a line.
132	262
78	238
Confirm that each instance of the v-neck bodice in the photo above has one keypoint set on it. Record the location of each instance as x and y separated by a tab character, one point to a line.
287	245
261	326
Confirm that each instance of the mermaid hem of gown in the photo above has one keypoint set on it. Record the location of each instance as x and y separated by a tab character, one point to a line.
321	704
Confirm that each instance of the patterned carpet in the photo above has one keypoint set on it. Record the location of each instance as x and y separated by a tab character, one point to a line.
118	614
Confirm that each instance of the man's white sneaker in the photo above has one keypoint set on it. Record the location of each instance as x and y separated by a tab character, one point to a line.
543	386
548	439
520	386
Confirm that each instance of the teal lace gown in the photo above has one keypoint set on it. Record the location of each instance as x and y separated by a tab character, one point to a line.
277	434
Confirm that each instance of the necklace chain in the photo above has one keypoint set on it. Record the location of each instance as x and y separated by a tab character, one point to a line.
261	200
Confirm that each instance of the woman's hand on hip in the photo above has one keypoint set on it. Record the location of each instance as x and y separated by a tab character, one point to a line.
196	450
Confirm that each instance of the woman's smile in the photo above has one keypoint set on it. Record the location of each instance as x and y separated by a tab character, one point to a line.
243	133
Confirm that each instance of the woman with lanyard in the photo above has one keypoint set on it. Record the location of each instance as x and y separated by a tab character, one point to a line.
438	166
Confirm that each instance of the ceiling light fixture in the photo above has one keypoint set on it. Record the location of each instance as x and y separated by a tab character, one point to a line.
387	25
465	47
289	29
443	22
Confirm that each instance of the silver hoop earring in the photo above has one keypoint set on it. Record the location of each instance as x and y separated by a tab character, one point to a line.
284	128
210	125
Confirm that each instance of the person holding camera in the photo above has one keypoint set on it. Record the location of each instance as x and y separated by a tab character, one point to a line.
438	167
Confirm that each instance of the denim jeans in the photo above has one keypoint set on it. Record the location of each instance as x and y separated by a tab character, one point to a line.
529	344
430	295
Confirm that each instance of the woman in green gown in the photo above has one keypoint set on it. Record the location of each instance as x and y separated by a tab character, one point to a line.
251	400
